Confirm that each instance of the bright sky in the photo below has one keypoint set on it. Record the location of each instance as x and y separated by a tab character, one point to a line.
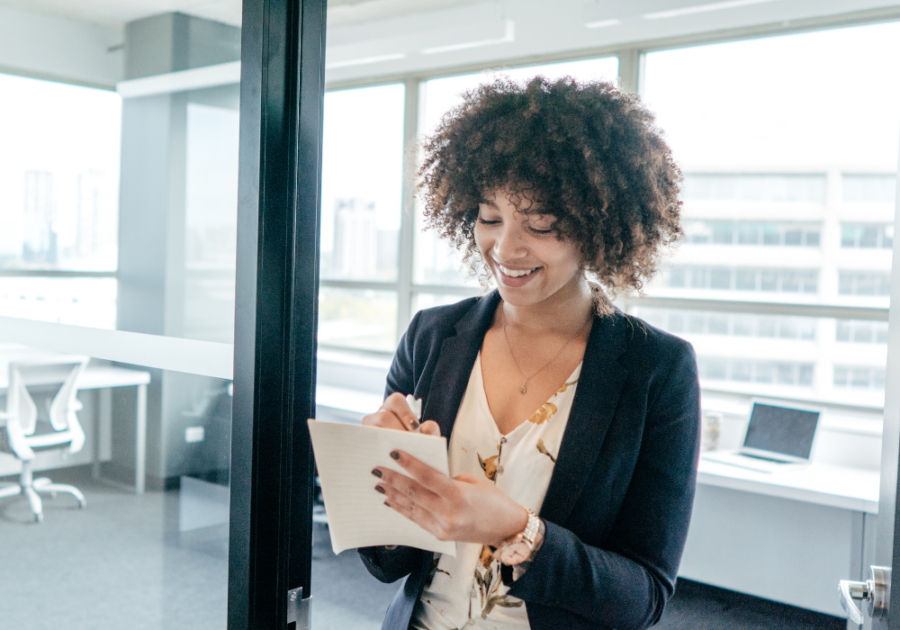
443	94
363	153
64	129
829	98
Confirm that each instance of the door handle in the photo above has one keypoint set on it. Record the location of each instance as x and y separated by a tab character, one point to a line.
875	593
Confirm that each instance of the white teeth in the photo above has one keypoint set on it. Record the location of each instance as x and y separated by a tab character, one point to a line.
515	273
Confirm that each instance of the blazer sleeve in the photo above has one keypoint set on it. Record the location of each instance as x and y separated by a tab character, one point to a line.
389	565
625	584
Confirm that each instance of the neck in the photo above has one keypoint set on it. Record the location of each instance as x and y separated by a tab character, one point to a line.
566	312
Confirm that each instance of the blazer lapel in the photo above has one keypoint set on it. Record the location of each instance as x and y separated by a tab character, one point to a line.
455	362
596	399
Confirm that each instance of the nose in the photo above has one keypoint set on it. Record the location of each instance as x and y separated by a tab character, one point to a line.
510	243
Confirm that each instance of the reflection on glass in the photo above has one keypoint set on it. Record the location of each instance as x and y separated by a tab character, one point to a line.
359	319
436	262
59	175
211	214
362	177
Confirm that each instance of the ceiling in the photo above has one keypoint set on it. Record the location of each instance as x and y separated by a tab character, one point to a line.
116	13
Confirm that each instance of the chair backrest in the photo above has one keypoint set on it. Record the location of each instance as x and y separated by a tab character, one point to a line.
22	411
20	408
65	403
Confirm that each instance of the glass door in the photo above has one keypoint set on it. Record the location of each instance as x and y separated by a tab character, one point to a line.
159	235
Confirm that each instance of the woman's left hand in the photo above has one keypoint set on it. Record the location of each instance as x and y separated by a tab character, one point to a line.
464	508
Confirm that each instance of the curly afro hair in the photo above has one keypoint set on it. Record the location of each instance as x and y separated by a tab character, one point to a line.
585	153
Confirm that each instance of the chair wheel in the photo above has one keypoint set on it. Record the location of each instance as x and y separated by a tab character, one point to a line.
82	505
38	518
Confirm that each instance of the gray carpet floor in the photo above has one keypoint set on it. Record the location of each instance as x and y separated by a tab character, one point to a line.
122	563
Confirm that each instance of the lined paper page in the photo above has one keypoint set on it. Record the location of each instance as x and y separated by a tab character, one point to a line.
357	517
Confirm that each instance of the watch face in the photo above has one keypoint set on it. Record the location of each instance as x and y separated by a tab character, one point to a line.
515	552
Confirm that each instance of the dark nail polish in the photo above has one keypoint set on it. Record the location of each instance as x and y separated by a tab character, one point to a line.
380	489
387	504
395	455
376	472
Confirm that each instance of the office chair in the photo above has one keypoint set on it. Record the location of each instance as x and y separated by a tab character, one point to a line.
19	433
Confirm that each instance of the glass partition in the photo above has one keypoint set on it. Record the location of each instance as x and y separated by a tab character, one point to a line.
120	215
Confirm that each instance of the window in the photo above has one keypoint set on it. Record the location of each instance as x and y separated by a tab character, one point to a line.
865	378
786	150
764	372
738	325
870	188
864	283
862	236
852	331
755	187
783	218
362	181
752	233
743	279
59	175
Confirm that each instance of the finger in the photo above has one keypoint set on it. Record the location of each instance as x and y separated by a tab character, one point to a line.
437	482
414	512
430	427
384	420
394	484
396	404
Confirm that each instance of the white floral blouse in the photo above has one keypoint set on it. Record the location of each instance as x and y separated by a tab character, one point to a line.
466	591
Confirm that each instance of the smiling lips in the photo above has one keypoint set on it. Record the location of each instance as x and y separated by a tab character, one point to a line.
516	273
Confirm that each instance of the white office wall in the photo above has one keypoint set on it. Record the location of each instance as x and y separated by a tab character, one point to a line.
59	48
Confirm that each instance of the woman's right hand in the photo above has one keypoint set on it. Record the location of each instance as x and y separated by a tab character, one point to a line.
396	414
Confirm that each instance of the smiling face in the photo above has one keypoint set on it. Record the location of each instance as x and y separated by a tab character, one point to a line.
529	262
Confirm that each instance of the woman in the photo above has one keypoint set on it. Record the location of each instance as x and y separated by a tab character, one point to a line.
573	428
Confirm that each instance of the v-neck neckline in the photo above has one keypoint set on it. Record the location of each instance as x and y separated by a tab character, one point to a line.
486	408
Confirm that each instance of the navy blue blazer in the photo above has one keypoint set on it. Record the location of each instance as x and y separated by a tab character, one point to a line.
619	501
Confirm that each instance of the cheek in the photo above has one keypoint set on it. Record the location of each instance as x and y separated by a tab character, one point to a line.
480	240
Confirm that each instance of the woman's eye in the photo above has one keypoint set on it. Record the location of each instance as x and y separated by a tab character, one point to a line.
483	221
539	231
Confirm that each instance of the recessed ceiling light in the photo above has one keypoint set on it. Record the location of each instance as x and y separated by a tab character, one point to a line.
362	61
702	8
509	35
602	23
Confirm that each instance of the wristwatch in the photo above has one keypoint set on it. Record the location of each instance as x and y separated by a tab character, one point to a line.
521	547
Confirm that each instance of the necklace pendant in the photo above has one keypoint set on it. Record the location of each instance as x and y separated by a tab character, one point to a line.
523	389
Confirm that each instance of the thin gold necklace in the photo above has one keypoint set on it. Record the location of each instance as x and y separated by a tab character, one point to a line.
524	387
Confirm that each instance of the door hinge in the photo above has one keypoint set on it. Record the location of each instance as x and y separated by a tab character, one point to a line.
298	609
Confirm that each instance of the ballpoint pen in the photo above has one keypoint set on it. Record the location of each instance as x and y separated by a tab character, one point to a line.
415	405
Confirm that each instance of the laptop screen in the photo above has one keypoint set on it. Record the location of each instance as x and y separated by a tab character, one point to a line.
782	430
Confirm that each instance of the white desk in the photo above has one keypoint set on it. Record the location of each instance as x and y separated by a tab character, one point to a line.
789	537
94	378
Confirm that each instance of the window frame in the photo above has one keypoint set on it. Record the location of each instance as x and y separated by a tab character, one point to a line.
630	77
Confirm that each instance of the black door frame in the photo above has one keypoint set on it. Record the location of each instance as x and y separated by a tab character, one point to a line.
282	93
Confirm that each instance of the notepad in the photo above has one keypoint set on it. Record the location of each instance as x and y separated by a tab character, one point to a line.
357	517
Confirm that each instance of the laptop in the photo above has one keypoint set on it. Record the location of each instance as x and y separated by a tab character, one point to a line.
778	438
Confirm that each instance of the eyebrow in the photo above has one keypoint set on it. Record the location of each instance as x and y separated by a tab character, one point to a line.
487	203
